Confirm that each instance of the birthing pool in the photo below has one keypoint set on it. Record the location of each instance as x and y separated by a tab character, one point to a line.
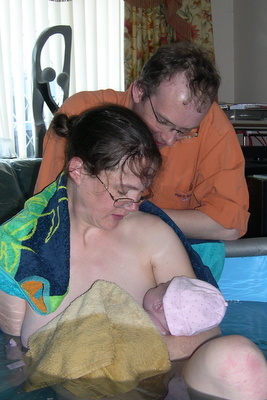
244	285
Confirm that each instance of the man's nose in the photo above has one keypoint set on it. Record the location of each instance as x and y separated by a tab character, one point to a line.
169	138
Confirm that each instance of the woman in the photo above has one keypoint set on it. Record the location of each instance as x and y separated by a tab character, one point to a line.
111	162
86	226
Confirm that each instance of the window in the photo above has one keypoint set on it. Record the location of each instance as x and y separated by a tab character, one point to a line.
96	58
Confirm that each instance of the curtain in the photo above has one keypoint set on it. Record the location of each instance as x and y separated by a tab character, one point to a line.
146	30
197	13
96	57
150	24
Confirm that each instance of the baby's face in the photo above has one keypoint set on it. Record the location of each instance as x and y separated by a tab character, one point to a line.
153	299
153	304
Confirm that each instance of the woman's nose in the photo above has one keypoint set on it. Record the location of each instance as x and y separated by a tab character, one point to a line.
133	207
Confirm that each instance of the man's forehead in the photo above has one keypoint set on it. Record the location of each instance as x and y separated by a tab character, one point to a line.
178	85
173	101
176	91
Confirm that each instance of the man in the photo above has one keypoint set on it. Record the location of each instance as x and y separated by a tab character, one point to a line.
202	185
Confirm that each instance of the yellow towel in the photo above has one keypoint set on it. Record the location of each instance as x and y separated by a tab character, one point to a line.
103	344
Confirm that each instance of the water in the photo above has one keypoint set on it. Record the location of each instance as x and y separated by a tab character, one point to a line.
247	318
243	281
18	394
7	377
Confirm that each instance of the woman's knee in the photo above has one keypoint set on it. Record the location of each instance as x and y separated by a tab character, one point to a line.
228	366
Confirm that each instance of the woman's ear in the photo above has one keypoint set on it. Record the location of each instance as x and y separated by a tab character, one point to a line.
137	92
76	170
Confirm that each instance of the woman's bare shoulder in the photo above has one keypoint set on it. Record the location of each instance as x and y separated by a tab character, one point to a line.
144	218
165	250
151	225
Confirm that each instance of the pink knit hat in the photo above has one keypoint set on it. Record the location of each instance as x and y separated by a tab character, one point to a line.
192	306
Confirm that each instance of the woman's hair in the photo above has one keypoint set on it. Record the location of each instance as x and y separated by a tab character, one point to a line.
107	137
168	61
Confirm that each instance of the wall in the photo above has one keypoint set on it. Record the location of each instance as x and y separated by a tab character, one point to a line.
223	30
240	40
250	37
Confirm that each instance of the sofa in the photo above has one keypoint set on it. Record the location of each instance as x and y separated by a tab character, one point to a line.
17	180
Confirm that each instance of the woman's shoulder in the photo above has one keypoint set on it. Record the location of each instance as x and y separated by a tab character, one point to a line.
144	217
149	223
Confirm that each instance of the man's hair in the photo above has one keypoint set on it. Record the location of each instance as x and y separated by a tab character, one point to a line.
109	136
168	61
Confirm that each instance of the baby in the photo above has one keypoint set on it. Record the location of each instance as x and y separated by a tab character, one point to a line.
184	306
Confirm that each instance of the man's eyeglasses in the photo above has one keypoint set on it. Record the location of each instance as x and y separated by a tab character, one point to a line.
123	202
181	134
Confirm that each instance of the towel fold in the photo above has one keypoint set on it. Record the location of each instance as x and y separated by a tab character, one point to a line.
103	344
212	253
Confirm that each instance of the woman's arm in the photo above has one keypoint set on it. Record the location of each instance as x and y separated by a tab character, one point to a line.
12	313
171	259
181	347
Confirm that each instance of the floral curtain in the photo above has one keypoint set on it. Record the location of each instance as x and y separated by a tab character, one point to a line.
150	24
198	15
146	29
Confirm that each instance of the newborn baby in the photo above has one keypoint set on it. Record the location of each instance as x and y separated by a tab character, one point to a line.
184	306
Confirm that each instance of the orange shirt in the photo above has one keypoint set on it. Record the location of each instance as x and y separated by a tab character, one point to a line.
204	173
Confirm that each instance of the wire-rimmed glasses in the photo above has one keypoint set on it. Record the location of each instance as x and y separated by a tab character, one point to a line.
182	134
123	202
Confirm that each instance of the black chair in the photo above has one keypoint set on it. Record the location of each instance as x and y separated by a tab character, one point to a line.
43	77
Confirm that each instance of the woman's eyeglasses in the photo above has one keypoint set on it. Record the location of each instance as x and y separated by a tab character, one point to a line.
123	202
